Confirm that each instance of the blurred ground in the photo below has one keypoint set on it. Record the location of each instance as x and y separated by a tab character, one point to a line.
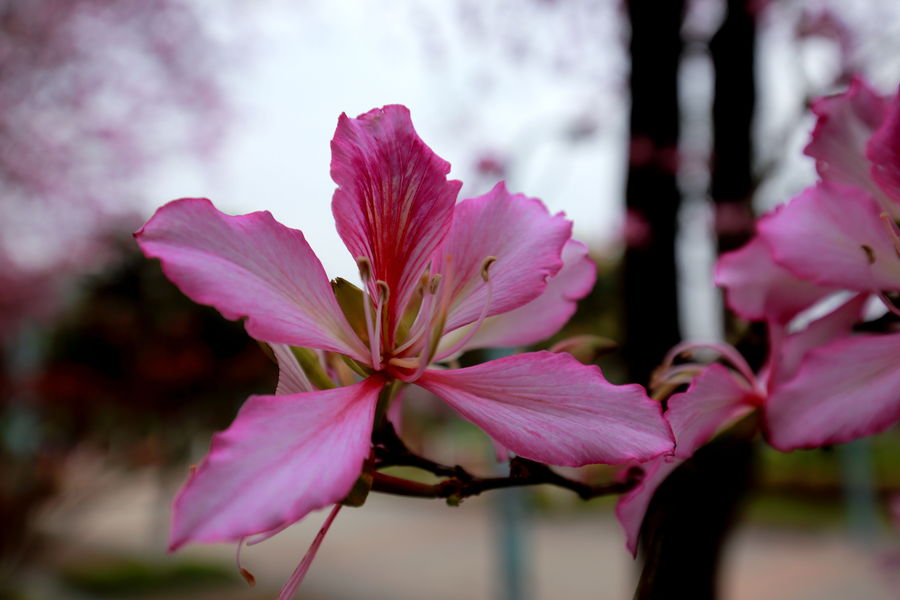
409	549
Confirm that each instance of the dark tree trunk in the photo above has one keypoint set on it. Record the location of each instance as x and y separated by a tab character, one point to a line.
733	50
691	514
652	196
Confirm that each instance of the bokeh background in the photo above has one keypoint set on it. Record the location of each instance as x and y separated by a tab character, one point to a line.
111	382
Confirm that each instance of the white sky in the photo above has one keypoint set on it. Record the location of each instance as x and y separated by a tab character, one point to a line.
505	78
315	60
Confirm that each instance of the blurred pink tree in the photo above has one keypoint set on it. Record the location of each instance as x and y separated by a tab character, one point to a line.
92	93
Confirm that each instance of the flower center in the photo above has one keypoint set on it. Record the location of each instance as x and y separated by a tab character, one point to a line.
427	315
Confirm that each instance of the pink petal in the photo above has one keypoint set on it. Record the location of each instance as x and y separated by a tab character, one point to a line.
844	125
758	289
291	378
833	235
715	397
550	408
249	266
843	391
283	457
883	151
788	353
394	204
546	314
632	507
520	233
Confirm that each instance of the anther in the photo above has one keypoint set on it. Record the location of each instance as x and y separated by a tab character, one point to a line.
486	265
870	254
245	573
365	268
433	284
384	291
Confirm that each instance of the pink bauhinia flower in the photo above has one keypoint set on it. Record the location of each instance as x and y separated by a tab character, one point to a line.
792	378
843	231
438	278
823	384
843	234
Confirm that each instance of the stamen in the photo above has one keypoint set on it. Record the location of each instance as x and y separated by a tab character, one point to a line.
287	592
247	575
725	351
365	268
425	316
365	272
434	283
384	292
485	267
870	254
676	375
404	363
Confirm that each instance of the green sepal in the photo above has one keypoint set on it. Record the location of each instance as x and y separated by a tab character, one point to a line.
309	362
361	370
350	298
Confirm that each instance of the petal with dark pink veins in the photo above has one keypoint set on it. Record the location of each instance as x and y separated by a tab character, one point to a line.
394	204
524	238
551	408
758	289
883	151
844	124
843	391
250	266
834	236
546	314
283	457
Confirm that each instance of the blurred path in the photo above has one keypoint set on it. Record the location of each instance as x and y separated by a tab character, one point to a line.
409	549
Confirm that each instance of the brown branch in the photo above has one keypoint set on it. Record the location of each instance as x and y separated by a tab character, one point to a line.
391	451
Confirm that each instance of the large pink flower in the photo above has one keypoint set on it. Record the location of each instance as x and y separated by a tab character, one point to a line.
822	384
438	278
843	232
801	404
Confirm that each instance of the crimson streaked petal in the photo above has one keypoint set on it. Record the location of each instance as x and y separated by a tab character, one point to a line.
841	392
833	235
550	408
526	240
394	203
249	266
282	457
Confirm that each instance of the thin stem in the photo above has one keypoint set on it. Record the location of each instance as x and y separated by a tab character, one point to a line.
390	451
523	472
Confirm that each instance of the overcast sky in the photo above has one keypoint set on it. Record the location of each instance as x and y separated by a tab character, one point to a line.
473	88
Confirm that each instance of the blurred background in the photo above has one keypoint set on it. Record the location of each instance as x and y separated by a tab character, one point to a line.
661	145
